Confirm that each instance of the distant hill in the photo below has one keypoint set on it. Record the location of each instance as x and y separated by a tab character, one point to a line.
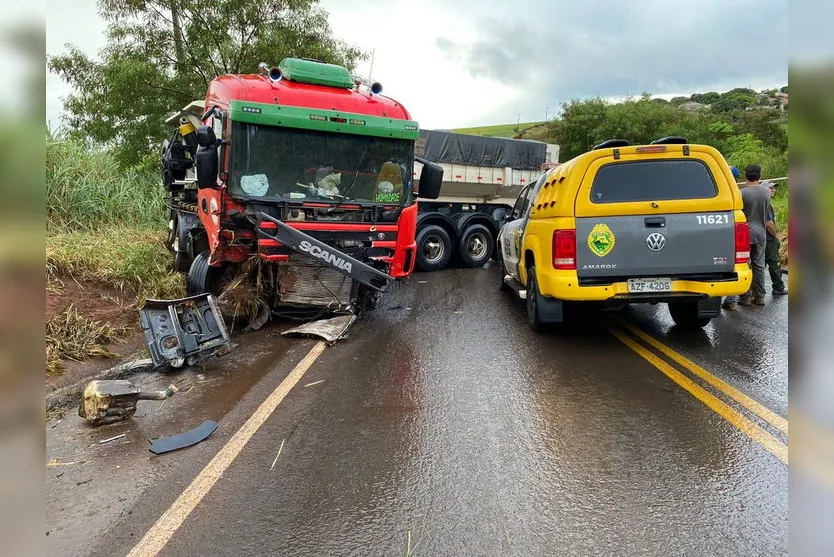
500	130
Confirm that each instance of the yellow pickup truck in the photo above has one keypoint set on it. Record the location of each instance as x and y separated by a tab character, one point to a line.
629	224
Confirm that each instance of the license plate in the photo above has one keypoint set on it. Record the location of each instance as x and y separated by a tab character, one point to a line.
650	285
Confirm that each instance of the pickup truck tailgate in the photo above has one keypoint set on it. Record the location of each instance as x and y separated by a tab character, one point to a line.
655	245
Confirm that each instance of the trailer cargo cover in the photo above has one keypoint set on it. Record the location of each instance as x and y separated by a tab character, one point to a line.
477	150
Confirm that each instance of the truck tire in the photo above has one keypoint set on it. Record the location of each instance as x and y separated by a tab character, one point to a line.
475	245
685	315
201	276
434	248
534	319
182	261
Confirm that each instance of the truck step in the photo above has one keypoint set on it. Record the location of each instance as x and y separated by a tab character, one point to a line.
517	286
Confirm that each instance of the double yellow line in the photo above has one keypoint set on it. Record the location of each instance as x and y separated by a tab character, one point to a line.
747	426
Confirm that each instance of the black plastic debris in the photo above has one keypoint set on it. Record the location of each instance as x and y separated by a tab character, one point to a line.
182	440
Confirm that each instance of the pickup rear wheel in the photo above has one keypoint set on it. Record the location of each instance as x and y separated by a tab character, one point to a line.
434	248
534	318
685	314
475	245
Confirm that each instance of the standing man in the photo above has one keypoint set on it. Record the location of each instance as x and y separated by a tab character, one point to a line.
731	302
756	203
772	259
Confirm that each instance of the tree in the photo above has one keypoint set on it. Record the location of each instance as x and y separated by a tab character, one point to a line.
735	100
162	54
705	98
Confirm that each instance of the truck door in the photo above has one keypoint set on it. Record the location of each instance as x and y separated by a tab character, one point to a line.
511	234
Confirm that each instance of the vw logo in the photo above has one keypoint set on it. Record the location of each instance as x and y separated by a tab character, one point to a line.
656	241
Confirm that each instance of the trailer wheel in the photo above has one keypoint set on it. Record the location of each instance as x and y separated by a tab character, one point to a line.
201	276
475	245
434	248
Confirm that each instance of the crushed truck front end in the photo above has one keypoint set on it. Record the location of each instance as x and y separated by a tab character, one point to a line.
302	147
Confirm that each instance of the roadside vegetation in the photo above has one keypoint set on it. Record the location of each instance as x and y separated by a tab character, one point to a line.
105	226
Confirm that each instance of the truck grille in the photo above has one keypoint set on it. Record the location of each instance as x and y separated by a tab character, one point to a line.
304	281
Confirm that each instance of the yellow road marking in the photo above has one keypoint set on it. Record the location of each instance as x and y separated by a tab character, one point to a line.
745	425
761	411
161	532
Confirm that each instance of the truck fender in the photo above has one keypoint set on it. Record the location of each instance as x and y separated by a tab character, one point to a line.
530	250
424	219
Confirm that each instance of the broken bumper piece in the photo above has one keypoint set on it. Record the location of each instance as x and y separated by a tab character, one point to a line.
184	331
330	330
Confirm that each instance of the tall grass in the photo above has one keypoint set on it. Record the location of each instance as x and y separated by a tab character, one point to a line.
106	223
85	188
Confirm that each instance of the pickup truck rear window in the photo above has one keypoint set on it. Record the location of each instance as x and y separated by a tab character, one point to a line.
656	180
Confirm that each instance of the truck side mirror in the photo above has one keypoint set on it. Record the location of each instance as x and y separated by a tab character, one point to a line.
431	178
206	136
207	167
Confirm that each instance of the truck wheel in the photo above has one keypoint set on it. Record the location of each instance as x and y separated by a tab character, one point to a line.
434	248
685	314
475	245
182	261
201	276
534	318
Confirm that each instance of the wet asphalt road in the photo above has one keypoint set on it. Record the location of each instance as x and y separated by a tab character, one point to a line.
445	421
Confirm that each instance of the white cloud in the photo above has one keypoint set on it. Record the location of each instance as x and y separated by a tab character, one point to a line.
478	62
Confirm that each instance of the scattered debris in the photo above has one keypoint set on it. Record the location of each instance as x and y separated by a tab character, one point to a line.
59	474
185	331
281	448
314	383
56	423
84	482
182	440
112	439
109	401
422	281
330	330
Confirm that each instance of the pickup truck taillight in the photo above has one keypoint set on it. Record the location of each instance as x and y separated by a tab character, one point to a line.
742	242
564	249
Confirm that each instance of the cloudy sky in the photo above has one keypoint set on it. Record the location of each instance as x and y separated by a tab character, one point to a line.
456	63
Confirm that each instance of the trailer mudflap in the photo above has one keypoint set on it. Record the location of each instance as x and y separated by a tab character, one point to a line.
303	243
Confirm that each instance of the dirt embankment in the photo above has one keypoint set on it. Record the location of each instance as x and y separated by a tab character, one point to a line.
102	318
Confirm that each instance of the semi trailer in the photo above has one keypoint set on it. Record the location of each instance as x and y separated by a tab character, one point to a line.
482	177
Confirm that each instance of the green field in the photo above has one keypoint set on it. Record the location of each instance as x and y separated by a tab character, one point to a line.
500	130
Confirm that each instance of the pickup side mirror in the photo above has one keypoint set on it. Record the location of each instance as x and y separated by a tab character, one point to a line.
431	178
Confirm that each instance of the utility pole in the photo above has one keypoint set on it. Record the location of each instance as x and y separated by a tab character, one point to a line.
371	71
518	124
546	110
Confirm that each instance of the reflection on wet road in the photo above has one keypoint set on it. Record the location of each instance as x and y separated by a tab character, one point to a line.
444	423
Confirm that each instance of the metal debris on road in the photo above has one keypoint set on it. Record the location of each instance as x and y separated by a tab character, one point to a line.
314	383
182	440
112	439
279	453
84	482
113	400
184	331
330	330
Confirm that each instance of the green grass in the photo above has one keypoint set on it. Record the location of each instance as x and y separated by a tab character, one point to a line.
86	189
500	130
105	223
116	254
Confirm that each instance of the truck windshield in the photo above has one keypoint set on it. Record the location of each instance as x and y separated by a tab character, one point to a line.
275	162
